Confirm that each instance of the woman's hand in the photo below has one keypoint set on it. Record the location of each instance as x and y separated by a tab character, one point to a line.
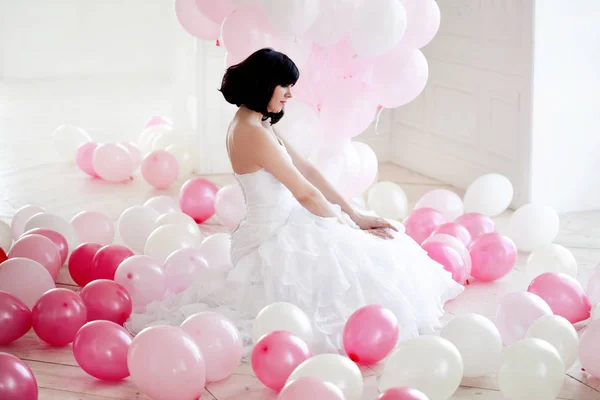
374	225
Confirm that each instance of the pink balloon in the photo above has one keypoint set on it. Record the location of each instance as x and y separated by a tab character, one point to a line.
246	30
492	256
449	258
593	286
216	11
370	334
310	387
423	22
454	229
218	340
112	163
100	348
455	244
94	227
17	381
276	355
143	278
107	260
230	205
164	360
58	315
58	239
421	223
25	279
158	119
183	267
477	224
83	158
515	314
80	263
38	248
106	300
197	199
589	349
195	22
160	169
402	393
564	295
15	318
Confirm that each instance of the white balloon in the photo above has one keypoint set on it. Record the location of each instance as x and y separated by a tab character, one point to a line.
282	316
490	195
143	278
533	225
166	239
560	333
478	341
135	225
57	224
6	238
593	286
332	22
377	26
297	49
182	154
388	200
301	128
67	138
291	17
551	258
134	153
162	204
430	364
149	134
216	250
21	217
334	368
448	203
531	369
596	312
39	280
179	218
163	140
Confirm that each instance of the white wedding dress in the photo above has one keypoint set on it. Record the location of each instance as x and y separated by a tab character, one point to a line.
283	252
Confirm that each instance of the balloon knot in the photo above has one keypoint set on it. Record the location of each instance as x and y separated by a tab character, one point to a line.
468	282
218	43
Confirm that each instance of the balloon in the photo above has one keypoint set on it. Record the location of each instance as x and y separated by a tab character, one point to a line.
593	286
195	22
100	349
83	158
95	227
454	229
112	163
388	200
3	256
564	295
215	11
197	199
55	223
38	248
150	133
230	205
162	204
216	250
560	333
134	153
17	381
160	169
531	367
370	334
58	315
402	393
551	258
135	225
179	218
490	195
5	236
423	22
143	278
367	171
377	26
310	387
449	258
168	238
456	245
59	241
421	223
67	138
282	316
25	279
300	128
430	364
21	217
595	314
480	349
515	314
292	17
247	30
15	318
107	260
106	300
182	268
533	225
589	349
444	201
219	341
80	263
476	224
492	256
332	22
158	120
163	360
334	368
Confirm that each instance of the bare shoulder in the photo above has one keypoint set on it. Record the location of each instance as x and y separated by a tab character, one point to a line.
250	146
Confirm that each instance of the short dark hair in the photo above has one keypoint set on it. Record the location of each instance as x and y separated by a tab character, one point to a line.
251	83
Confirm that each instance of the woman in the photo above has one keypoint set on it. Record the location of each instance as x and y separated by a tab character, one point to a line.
300	241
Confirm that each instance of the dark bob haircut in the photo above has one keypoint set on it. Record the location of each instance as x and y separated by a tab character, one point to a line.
251	83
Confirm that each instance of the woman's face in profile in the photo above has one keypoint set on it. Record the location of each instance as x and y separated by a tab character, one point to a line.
281	95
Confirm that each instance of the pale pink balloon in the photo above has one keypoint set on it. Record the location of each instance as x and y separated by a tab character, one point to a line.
58	315
94	227
134	153
454	229
593	286
449	258
477	224
492	256
195	22
423	22
164	360
276	355
448	203
83	158
589	349
218	340
59	241
564	294
421	223
455	244
38	248
158	120
369	166
197	199
310	387
230	205
515	314
370	334
25	279
216	11
402	393
246	30
160	169
182	268
112	163
143	278
315	80
162	204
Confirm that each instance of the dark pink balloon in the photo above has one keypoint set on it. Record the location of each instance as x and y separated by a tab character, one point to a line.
100	348
17	381
80	263
477	224
83	158
421	223
58	239
370	334
454	229
276	355
15	318
38	248
564	294
402	393
492	256
106	300
450	259
107	260
58	315
197	199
